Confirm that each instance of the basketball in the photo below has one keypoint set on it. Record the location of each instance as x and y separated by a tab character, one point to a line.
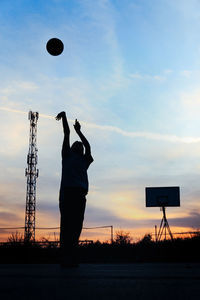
55	46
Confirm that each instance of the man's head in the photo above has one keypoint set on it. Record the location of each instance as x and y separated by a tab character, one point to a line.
77	147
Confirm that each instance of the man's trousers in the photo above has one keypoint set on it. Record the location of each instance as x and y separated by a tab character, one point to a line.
72	204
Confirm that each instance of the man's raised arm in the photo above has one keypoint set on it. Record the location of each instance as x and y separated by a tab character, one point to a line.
85	142
62	115
66	145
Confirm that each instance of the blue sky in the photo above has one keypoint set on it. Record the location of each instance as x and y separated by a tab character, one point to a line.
130	73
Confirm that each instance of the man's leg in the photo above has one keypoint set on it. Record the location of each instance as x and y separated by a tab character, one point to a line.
81	204
72	209
61	207
79	210
66	227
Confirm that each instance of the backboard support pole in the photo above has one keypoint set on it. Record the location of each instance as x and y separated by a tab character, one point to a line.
156	233
164	226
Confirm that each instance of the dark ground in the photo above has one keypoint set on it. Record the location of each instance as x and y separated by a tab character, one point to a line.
145	270
101	281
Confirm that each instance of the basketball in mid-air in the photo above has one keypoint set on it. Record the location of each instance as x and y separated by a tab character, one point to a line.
55	46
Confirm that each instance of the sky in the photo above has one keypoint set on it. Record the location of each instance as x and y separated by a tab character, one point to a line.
130	74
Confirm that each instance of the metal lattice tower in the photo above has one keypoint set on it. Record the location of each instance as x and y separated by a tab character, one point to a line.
31	173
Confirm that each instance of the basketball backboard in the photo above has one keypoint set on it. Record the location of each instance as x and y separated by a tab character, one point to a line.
162	196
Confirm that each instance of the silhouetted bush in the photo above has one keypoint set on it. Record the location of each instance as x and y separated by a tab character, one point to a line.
120	251
122	238
15	238
147	239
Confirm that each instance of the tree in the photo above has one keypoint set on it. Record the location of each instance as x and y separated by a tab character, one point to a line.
122	238
146	239
15	238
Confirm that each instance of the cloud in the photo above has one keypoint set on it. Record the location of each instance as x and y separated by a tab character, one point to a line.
147	135
48	207
136	75
10	219
168	71
13	132
91	79
97	216
130	134
192	220
18	87
148	77
189	9
186	73
191	99
103	17
189	107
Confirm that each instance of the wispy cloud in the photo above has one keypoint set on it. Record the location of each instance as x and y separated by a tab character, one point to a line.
147	77
136	75
190	106
130	134
23	112
103	16
186	73
17	87
191	220
116	69
168	71
147	135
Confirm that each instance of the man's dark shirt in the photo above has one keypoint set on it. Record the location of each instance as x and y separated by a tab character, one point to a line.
74	170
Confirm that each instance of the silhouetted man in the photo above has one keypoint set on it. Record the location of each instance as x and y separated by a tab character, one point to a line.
73	189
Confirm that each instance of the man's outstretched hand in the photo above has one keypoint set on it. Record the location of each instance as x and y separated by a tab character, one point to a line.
77	126
60	115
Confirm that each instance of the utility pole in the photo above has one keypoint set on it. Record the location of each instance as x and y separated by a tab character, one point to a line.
31	173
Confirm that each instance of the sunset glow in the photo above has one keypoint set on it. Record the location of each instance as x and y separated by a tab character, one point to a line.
130	74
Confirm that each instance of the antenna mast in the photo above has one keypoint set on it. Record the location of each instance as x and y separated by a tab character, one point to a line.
31	173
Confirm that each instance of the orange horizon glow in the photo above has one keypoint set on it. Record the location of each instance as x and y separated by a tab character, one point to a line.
101	234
